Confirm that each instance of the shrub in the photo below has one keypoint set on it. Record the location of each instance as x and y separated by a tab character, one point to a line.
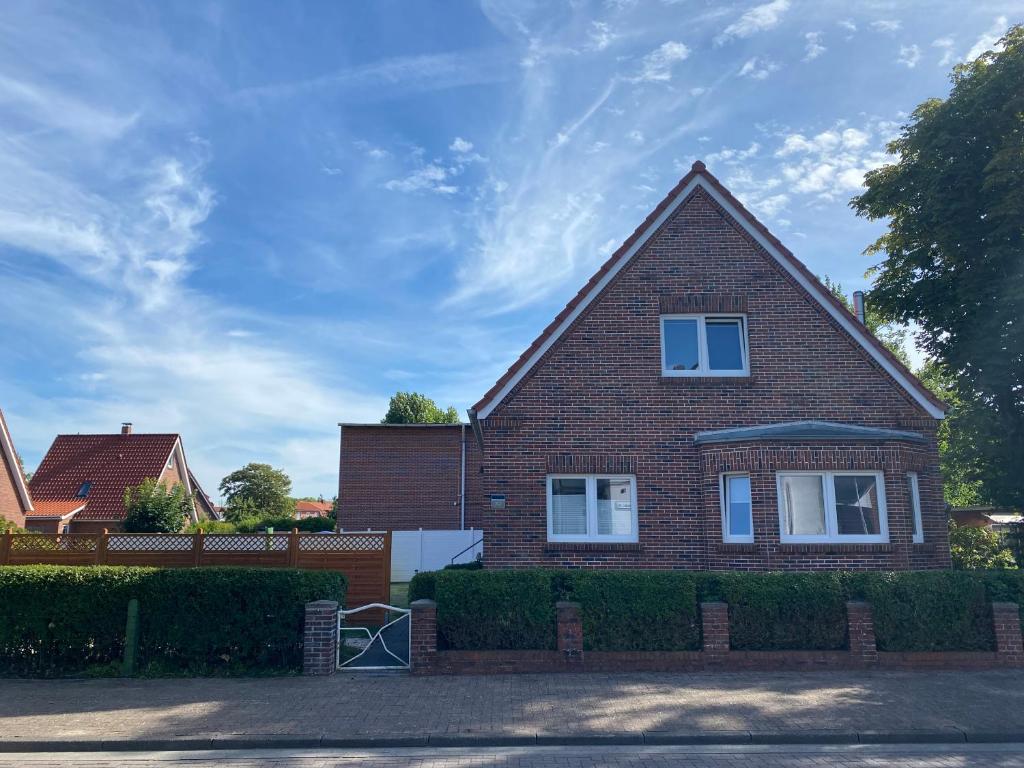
928	610
472	565
260	524
152	507
781	611
61	620
497	610
422	586
635	610
973	548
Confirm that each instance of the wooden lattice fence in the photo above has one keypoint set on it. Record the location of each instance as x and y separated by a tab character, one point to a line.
364	558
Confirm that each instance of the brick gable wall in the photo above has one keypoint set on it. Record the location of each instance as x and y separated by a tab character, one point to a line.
406	478
597	398
11	507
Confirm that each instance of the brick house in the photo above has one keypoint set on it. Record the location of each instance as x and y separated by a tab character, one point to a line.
15	499
703	402
79	486
306	509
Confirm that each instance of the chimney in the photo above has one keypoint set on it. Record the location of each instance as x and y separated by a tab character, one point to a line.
858	305
126	428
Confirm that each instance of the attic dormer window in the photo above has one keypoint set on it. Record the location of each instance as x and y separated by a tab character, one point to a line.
704	345
83	489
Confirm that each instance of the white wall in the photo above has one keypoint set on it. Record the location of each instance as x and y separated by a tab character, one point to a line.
414	551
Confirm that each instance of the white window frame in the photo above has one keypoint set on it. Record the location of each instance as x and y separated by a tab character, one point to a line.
832	535
591	487
915	508
702	345
723	495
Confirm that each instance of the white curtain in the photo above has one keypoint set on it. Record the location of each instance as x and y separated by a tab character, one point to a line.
804	505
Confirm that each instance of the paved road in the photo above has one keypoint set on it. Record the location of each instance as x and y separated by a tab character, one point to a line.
896	756
380	706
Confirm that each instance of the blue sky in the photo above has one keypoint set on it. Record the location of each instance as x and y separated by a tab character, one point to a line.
248	221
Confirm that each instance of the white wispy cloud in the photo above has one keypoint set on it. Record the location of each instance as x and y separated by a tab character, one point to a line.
909	56
429	178
758	68
600	36
848	24
657	65
945	44
988	39
813	47
461	145
758	19
887	25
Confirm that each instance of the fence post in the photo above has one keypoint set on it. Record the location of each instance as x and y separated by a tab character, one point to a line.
423	648
1006	622
198	540
293	548
320	638
570	630
861	628
387	567
101	547
5	548
714	619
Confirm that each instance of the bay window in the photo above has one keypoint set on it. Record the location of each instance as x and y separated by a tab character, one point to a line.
832	507
597	508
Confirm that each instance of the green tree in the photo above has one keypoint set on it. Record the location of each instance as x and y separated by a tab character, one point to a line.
414	408
973	548
152	507
257	490
954	250
892	335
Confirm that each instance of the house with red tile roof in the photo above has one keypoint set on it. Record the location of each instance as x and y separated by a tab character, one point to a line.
79	486
305	509
704	402
15	499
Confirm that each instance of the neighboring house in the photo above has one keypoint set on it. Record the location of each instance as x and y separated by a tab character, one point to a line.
205	508
80	484
15	500
704	402
306	509
995	518
403	477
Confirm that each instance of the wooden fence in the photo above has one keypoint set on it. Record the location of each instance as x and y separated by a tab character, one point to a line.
364	558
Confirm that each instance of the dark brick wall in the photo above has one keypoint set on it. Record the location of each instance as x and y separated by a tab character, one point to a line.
597	399
405	478
10	502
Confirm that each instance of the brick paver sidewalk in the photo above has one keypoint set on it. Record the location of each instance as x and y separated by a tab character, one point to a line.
644	706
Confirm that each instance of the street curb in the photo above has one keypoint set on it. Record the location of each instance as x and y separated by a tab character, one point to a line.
488	740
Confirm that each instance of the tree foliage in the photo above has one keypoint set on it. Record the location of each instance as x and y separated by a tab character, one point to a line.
257	490
974	548
414	408
954	251
152	507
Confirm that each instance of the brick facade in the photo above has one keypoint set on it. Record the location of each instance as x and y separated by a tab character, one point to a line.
597	402
12	508
395	477
320	638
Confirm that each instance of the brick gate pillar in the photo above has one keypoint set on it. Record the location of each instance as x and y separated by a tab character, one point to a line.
570	630
320	638
714	619
1006	622
861	629
423	650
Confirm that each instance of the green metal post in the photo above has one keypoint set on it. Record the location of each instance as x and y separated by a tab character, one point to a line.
131	638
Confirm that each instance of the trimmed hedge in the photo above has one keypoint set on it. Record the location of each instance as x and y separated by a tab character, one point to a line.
659	610
65	620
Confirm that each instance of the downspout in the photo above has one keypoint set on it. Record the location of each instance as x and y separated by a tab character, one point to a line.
462	482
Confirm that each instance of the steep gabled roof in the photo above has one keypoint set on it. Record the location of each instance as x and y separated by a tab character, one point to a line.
699	176
7	448
109	463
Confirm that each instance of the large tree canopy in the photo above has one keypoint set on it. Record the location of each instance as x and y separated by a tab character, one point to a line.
414	408
257	490
953	259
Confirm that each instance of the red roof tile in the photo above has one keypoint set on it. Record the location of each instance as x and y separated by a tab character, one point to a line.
110	463
700	170
55	507
319	507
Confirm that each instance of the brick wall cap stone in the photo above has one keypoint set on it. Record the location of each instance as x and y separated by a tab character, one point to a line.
422	603
567	604
323	605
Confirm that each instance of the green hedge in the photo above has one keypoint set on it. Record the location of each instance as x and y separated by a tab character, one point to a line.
65	620
781	611
659	610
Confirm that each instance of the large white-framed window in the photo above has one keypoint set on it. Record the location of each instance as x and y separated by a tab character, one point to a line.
704	345
737	514
915	507
597	508
847	506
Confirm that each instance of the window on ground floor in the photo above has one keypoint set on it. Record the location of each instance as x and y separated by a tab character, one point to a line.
737	521
832	506
915	507
592	508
